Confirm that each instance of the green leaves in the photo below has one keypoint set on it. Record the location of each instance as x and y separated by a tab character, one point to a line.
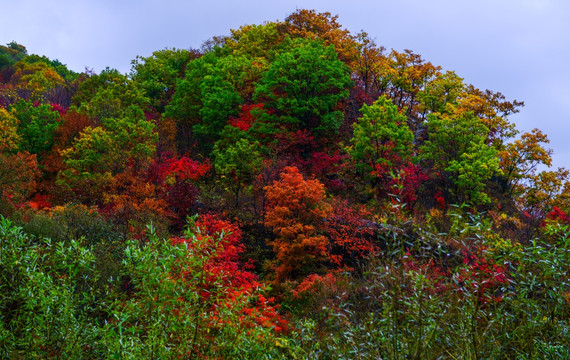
457	148
381	136
99	153
304	84
108	95
37	125
444	89
237	164
207	96
157	74
47	290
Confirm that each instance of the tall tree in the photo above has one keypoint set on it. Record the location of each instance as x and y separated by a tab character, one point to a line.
304	85
520	159
309	24
37	126
458	150
295	210
157	74
381	137
207	97
237	165
100	153
109	95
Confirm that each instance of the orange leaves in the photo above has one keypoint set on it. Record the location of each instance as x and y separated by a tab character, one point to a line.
295	209
309	232
292	199
134	198
310	24
18	174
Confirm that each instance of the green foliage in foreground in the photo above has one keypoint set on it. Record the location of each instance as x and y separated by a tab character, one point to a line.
54	305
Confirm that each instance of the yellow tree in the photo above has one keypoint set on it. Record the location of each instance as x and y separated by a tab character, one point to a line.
310	24
408	74
9	137
371	66
33	80
18	170
520	159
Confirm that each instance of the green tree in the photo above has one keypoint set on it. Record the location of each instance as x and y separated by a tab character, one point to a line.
37	125
208	96
100	153
381	137
48	297
11	54
237	164
444	89
109	95
458	150
220	100
157	74
304	85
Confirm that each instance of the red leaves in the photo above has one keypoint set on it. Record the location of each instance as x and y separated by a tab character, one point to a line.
438	278
175	178
245	118
478	276
185	168
60	109
558	215
408	182
237	284
40	202
311	282
178	169
482	277
440	200
350	238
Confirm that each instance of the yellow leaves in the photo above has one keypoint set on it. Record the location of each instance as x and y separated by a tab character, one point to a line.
9	137
36	77
520	159
309	24
544	187
60	210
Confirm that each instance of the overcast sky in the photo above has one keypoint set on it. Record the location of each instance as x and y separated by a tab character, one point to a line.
520	48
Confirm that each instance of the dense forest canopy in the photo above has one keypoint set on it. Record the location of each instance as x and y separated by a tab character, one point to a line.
290	190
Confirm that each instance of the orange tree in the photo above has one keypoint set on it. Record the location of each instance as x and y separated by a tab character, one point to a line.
295	209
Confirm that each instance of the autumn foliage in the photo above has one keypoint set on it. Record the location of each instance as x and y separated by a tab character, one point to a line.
295	211
289	191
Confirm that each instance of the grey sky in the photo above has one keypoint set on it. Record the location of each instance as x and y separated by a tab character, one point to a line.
517	47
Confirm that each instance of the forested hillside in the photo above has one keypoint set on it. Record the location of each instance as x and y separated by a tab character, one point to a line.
288	191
